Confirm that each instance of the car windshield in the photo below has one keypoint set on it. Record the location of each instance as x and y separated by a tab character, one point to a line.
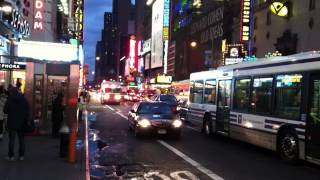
154	108
168	98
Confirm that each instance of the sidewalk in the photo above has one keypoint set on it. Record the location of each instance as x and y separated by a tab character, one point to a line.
42	162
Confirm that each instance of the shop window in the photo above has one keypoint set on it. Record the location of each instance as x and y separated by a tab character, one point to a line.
262	95
288	96
242	94
210	92
197	92
312	4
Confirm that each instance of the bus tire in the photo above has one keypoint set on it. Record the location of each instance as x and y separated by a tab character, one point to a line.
288	146
207	126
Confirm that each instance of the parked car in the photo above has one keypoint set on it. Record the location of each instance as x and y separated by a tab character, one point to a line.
169	99
147	118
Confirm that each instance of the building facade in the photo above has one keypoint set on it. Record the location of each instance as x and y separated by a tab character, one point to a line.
297	32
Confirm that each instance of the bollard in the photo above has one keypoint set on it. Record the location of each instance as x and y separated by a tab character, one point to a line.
64	141
72	146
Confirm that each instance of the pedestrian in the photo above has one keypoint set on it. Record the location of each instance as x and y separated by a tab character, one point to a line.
81	104
17	109
3	99
57	115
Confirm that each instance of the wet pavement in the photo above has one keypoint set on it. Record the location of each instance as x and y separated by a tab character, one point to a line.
116	154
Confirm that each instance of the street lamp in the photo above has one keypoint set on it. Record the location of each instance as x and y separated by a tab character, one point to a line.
97	58
193	44
92	72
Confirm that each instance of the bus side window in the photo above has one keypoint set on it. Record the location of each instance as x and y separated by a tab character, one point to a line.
197	93
210	92
262	95
288	96
242	94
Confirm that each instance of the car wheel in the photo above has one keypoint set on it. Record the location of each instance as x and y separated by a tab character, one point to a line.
207	127
288	147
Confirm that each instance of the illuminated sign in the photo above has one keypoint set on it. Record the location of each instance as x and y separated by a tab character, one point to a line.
234	53
78	14
246	20
164	79
38	15
279	9
132	53
18	23
157	43
12	66
146	46
166	19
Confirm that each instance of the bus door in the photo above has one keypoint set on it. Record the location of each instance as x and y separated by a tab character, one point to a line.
313	121
223	106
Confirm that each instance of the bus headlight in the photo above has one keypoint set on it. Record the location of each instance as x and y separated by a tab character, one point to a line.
177	123
144	123
117	97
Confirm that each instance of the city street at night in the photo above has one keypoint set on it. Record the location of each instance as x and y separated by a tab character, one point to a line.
194	156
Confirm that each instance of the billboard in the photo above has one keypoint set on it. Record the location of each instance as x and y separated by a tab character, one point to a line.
157	34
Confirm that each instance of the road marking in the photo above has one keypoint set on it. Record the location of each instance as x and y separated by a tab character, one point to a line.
111	108
191	161
189	127
120	114
185	157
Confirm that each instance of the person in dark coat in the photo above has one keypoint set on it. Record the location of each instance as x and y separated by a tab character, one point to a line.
17	109
57	115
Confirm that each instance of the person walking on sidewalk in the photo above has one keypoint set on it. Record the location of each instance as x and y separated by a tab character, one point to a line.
3	99
57	115
17	109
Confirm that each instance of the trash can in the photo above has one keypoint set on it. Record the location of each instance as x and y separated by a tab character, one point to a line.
64	141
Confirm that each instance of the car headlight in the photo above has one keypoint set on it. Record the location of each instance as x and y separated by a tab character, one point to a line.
144	123
178	108
177	123
117	97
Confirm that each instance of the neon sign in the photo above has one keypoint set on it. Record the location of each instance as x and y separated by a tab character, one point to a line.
132	53
279	9
38	15
246	19
166	19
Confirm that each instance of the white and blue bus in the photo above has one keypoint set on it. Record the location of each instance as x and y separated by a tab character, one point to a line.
273	103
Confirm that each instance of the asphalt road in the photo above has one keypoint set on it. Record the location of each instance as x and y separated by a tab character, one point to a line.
194	156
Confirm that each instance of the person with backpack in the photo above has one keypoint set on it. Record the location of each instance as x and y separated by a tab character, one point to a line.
17	109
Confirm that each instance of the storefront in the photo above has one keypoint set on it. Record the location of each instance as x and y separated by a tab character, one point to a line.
46	75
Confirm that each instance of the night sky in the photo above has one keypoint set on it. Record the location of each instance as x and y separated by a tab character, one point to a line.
93	24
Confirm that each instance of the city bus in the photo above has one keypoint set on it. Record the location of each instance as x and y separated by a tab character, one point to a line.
273	103
110	92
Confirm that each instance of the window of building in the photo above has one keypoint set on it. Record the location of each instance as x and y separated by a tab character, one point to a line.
210	92
268	18
255	23
312	4
262	95
242	94
196	92
288	96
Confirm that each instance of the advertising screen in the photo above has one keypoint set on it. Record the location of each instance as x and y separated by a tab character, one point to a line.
157	36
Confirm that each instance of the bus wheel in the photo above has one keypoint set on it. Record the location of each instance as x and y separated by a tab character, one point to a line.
288	147
207	126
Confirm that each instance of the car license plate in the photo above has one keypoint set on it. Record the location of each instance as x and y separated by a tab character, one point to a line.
162	131
155	116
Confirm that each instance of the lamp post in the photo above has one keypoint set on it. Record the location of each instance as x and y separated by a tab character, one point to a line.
97	58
